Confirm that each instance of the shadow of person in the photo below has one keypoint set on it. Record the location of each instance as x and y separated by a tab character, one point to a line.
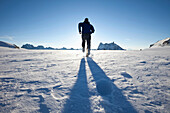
113	98
79	96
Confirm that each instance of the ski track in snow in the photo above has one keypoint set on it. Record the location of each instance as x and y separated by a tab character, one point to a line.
67	82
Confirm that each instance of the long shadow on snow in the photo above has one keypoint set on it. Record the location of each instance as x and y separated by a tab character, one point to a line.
79	95
114	100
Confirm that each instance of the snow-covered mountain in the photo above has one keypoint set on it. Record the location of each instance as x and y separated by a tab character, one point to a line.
161	43
109	46
5	44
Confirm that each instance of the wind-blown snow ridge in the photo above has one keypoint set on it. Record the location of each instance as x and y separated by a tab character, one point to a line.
66	82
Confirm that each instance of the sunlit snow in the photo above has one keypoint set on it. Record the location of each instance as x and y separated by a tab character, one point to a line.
61	81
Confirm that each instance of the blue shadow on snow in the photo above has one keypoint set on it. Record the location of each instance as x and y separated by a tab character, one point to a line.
114	100
79	95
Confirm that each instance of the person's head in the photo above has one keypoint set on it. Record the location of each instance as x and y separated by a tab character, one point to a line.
86	20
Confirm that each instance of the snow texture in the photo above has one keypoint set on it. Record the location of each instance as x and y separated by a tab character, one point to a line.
58	81
109	46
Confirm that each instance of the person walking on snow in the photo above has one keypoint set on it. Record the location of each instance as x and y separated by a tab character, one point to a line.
86	29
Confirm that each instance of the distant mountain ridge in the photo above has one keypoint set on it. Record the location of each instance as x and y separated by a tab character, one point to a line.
161	43
5	44
109	46
30	46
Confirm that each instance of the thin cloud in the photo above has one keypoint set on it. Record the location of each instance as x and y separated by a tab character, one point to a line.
7	37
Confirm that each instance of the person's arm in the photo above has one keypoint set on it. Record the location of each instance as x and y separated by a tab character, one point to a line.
79	27
92	29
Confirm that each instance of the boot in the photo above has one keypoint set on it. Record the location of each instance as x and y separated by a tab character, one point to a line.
83	49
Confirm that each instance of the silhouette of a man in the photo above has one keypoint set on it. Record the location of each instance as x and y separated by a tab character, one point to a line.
86	29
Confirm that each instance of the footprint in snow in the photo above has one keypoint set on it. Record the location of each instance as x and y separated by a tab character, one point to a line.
43	90
126	75
104	87
143	62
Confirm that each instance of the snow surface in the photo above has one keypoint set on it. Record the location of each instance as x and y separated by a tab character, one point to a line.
63	81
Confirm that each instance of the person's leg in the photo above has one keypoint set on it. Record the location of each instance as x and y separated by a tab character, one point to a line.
89	43
83	43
